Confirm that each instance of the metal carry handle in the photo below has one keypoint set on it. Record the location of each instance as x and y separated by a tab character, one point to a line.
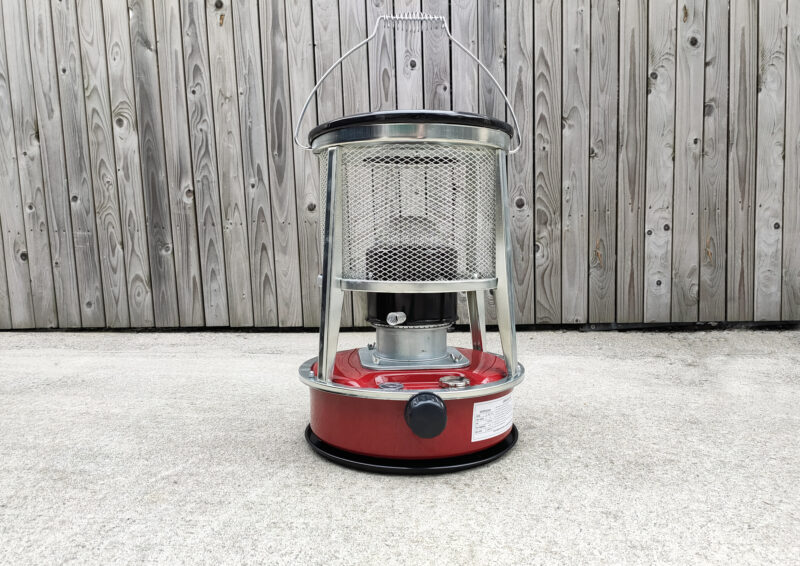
415	22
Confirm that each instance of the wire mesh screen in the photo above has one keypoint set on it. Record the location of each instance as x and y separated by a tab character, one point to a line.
417	211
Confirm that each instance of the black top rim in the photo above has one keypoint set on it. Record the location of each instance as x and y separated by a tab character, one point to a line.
411	116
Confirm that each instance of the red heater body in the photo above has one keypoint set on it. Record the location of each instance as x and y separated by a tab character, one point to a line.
415	212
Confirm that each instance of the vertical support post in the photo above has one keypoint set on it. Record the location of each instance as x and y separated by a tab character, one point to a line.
504	265
477	319
332	294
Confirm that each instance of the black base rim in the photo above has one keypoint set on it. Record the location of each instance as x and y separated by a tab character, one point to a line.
410	467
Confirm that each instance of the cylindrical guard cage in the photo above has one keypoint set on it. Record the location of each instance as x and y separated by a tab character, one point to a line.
416	211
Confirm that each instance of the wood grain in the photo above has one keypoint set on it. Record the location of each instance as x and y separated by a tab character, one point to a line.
742	158
769	166
519	85
225	98
491	51
464	80
29	164
128	169
383	89
170	123
603	96
436	59
210	219
76	146
178	162
409	69
356	100
5	310
660	165
790	308
16	299
281	166
575	161
103	166
299	30
255	162
714	165
547	104
689	76
151	154
632	160
330	105
51	138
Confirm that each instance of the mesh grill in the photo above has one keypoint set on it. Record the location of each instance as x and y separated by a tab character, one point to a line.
416	211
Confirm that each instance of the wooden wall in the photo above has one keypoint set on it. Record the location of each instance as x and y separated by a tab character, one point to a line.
149	177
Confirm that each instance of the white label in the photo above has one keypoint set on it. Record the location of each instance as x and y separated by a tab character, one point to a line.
492	418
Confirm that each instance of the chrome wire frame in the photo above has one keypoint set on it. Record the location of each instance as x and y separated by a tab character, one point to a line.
332	293
504	294
333	287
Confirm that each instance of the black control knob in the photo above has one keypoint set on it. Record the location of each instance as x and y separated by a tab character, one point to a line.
426	415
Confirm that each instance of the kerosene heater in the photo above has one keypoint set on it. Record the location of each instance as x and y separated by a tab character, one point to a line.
415	211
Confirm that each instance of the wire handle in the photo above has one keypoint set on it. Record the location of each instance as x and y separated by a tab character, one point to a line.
414	22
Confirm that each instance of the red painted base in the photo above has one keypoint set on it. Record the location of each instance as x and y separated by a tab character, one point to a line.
378	428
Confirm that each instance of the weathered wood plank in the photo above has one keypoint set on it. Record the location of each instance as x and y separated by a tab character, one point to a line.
491	51
54	170
436	59
355	96
632	154
229	162
742	158
16	299
603	97
255	161
409	69
5	311
575	161
769	168
383	89
330	105
281	166
547	103
306	171
210	223
76	146
464	80
688	149
464	77
519	84
660	166
791	204
102	162
126	150
714	165
152	156
178	162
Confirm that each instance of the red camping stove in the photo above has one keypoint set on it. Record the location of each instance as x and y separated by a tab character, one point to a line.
415	212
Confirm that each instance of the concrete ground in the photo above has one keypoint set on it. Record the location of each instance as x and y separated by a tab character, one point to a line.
170	447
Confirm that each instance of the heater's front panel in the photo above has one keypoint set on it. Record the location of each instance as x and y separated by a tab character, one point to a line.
416	211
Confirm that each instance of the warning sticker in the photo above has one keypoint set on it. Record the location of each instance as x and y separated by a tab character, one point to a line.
492	418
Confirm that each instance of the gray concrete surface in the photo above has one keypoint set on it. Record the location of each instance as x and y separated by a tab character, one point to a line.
634	448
